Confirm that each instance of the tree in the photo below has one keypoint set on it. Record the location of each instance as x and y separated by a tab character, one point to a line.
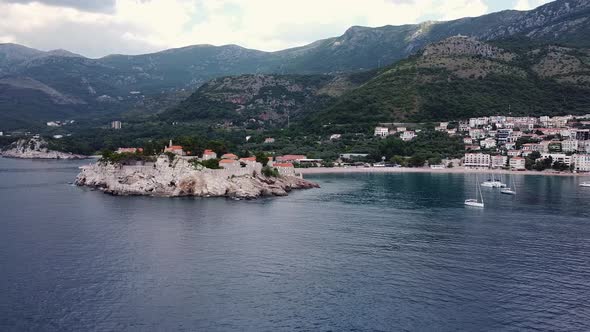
434	160
417	161
262	158
399	160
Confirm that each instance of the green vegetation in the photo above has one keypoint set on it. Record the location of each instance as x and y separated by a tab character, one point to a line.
210	163
109	156
270	171
430	146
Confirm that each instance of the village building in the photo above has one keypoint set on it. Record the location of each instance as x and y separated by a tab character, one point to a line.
209	154
569	145
285	169
229	164
558	157
291	158
532	147
229	156
176	149
499	161
381	132
581	162
518	163
513	153
476	160
248	160
408	135
488	143
269	140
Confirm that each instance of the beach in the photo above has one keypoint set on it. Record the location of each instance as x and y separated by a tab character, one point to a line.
454	170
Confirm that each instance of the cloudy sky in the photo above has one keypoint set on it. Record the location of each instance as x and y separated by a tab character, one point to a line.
96	28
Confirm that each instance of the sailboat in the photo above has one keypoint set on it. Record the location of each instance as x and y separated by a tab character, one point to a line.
510	190
474	202
493	183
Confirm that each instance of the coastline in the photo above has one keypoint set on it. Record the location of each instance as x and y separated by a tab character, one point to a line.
455	170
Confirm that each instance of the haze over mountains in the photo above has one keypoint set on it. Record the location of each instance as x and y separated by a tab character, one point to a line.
37	85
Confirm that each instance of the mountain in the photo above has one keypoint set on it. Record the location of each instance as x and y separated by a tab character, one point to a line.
461	77
120	82
263	100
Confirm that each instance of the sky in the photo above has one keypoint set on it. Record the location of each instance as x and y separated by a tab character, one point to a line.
96	28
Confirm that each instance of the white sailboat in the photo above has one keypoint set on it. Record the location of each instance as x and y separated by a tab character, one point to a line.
474	202
510	190
493	183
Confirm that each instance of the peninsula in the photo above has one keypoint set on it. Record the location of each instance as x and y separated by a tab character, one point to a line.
176	176
36	148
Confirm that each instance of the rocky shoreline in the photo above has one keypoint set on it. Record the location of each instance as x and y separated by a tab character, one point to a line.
36	148
178	178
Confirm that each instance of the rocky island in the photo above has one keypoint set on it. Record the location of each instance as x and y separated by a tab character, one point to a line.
169	176
36	148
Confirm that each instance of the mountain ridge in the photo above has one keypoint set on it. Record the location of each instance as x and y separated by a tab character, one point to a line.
123	80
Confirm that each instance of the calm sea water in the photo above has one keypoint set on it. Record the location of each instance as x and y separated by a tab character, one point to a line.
364	252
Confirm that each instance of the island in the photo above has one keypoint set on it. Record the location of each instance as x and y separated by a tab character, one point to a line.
36	148
168	175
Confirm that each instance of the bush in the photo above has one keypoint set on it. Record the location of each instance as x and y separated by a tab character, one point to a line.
211	163
270	172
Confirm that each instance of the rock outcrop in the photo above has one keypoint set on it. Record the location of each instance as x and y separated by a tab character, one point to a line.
180	177
36	148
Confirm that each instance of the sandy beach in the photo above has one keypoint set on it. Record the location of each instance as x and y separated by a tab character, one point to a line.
455	170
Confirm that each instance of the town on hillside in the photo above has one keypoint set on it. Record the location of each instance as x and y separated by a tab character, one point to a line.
517	143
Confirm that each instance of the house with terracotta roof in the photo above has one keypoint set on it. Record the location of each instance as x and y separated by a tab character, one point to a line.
285	169
229	156
209	154
229	164
176	149
248	160
290	158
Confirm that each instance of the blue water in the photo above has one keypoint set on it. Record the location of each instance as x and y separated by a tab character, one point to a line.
364	252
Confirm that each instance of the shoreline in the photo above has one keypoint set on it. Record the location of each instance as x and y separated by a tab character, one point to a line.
455	170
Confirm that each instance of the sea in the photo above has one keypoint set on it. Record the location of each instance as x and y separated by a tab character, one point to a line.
365	252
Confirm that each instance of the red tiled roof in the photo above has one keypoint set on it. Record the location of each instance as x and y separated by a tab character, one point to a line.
227	161
248	159
289	157
282	165
174	147
229	156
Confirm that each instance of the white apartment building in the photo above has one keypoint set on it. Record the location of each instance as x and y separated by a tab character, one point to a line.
488	143
499	161
518	163
381	131
561	157
570	145
477	133
476	122
582	162
408	135
476	160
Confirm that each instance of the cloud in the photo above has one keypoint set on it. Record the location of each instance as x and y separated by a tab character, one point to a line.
96	28
85	5
529	4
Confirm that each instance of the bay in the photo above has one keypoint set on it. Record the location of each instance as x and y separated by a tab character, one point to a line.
382	252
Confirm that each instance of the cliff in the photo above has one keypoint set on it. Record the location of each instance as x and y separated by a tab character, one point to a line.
36	148
180	177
